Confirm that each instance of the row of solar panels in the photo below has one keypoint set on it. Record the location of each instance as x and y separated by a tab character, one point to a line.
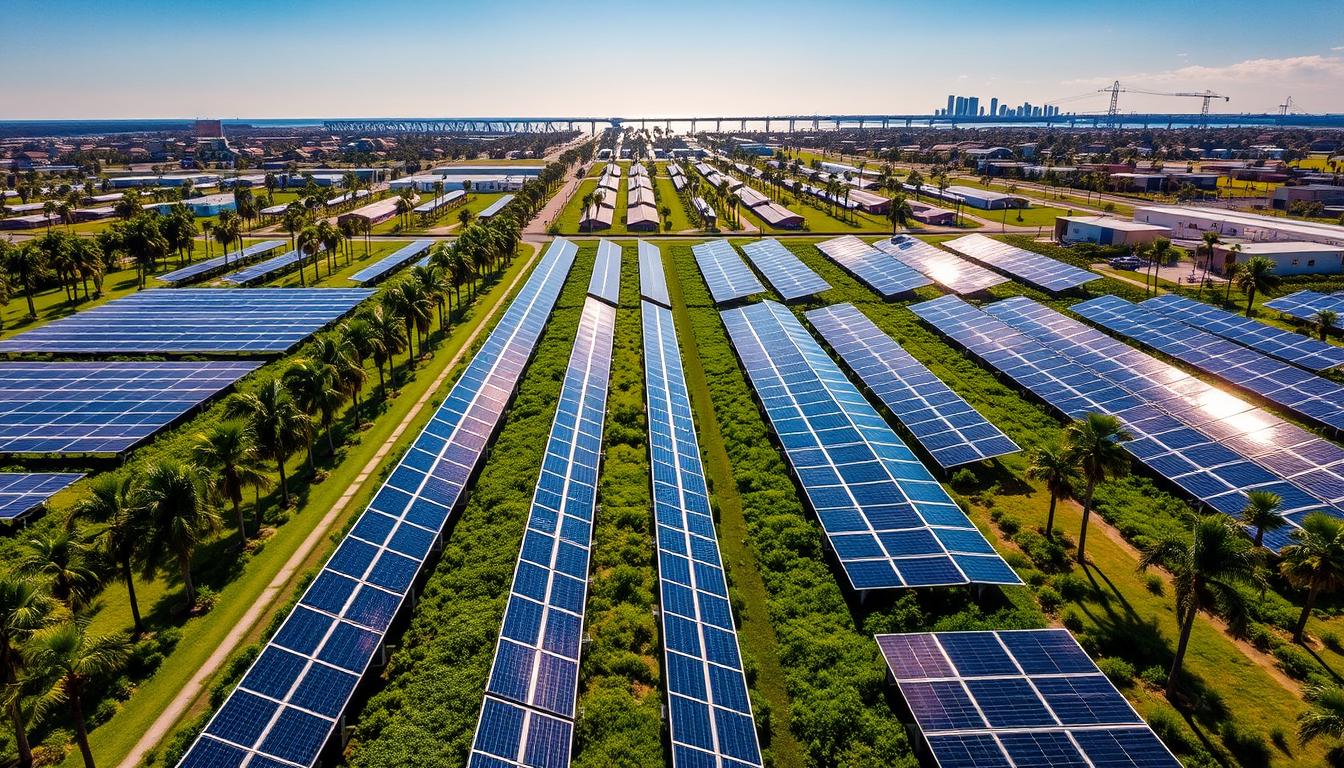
205	267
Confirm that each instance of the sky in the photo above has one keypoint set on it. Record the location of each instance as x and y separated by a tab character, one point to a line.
448	58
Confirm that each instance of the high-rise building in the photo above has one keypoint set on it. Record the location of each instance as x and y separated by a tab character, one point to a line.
972	105
950	103
994	105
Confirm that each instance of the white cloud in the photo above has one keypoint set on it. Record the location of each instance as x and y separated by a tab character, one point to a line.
1338	48
1182	55
1291	69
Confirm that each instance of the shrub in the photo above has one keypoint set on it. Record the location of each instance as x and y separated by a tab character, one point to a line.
1046	554
1154	676
1009	525
1294	661
1169	728
1246	744
1120	672
1049	598
1331	641
1155	584
1072	622
963	479
1261	637
1071	586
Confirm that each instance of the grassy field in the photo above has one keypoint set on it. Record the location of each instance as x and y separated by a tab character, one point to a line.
667	196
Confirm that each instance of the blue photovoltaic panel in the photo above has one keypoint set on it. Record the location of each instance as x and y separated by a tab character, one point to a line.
194	321
1310	396
494	208
727	275
286	708
513	736
947	426
879	271
388	264
22	493
606	281
786	273
1028	697
1028	266
267	268
88	407
652	281
536	662
888	520
1304	305
1056	369
1295	348
199	269
948	270
712	723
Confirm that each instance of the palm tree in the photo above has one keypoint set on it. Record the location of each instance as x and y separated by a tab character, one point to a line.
434	285
347	370
228	452
67	659
1210	240
1314	562
277	424
1324	320
112	504
1093	444
1057	469
178	517
1256	276
316	391
28	265
1207	570
24	609
1263	512
386	327
1160	249
60	558
406	300
309	242
1324	715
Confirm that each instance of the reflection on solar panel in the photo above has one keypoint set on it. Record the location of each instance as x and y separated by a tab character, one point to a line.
606	282
89	407
952	272
1028	266
879	271
1295	348
1304	305
536	664
1303	393
888	520
787	274
267	268
386	265
725	272
711	718
22	493
1028	697
494	208
652	281
201	268
193	320
1198	464
292	698
947	426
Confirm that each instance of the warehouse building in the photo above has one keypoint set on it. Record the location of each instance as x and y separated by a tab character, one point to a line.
1104	230
1289	258
641	218
1326	194
1191	222
374	213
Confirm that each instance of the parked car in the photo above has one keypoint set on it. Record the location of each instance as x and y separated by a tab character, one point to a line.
1126	262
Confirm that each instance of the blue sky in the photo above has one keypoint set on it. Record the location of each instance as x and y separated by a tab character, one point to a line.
303	58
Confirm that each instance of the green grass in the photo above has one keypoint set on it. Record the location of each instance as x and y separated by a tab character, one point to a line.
667	196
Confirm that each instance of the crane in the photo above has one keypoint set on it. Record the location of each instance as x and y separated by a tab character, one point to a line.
1115	90
1286	106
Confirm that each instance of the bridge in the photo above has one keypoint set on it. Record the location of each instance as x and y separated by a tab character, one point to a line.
793	123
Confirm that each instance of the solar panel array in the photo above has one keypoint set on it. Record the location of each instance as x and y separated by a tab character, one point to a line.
1027	697
494	208
947	426
1301	392
536	664
265	269
381	268
728	276
1304	305
606	281
193	320
1028	266
193	271
710	710
786	273
1200	465
652	281
948	270
876	269
1295	348
21	493
97	407
888	520
292	698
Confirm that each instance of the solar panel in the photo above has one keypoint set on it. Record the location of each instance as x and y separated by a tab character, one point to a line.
727	275
652	281
787	274
193	321
266	269
22	493
281	711
388	264
100	407
889	522
1028	266
712	722
1196	460
947	426
948	270
606	281
876	269
201	268
1304	305
1028	697
494	208
536	662
1309	396
1295	348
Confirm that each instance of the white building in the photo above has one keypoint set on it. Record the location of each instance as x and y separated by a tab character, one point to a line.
1191	222
1104	230
1289	258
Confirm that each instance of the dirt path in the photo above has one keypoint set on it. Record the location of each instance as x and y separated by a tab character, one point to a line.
195	687
551	211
